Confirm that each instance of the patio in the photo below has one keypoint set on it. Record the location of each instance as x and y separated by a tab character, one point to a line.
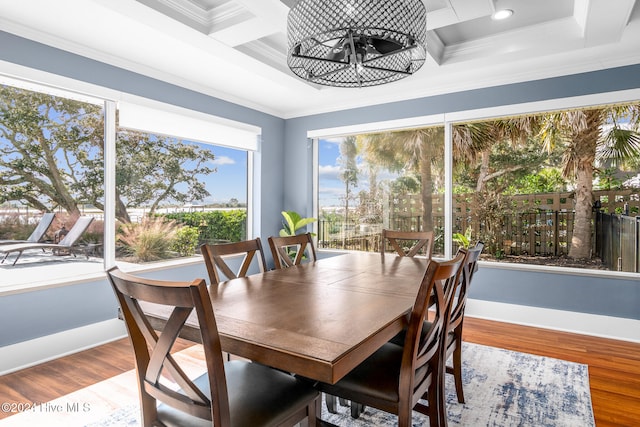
38	269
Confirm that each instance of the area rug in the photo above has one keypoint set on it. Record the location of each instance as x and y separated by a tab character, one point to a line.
502	388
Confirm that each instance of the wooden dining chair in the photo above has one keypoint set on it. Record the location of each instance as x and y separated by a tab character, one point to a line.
407	243
395	378
217	264
288	251
236	393
456	321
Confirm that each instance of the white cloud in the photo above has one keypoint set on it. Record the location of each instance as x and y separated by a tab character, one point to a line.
331	191
333	140
223	160
328	171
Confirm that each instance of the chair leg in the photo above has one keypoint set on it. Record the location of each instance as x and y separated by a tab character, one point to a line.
457	368
356	409
331	403
440	398
17	258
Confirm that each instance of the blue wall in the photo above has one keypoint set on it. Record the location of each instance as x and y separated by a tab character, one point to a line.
34	314
608	296
287	185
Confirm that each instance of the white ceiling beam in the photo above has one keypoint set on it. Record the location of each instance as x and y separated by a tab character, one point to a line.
266	17
456	11
435	47
245	32
441	18
467	10
589	15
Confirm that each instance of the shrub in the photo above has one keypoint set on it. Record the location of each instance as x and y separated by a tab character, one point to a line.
14	227
149	240
215	226
186	240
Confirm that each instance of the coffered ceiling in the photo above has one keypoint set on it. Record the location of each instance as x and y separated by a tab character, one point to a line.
236	49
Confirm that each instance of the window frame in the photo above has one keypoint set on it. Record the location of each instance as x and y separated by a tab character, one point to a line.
35	80
448	120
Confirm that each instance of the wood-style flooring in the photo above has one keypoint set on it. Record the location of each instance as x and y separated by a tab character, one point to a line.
614	367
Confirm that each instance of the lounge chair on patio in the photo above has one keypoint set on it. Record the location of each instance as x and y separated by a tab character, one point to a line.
65	245
38	233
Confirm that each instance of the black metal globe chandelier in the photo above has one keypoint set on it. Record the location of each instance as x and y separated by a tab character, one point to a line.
356	43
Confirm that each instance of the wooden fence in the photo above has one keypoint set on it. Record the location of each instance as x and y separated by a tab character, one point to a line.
617	241
535	224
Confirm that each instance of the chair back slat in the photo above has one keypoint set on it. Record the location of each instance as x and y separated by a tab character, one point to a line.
469	267
424	351
214	257
155	365
288	251
407	243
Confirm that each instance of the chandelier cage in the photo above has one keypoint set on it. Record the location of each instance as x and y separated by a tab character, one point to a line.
356	43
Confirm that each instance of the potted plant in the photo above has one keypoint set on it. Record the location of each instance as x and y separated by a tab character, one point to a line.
463	240
293	222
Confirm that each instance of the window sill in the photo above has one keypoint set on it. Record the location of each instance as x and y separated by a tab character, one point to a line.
54	275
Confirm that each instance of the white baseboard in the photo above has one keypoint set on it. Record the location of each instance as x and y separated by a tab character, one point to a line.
616	328
33	352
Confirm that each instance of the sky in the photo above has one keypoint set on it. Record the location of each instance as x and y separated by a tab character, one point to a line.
331	190
230	180
331	187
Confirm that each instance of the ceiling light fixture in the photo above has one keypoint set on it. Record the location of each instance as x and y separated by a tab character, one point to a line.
356	43
502	14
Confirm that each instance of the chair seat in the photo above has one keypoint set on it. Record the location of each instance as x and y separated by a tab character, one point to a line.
368	379
258	396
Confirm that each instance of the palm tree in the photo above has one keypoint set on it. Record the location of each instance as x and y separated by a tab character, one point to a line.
588	135
348	174
474	141
493	145
415	150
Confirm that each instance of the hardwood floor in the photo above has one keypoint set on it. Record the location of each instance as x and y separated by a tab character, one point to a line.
614	367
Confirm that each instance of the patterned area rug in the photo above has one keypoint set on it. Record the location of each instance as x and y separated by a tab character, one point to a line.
502	388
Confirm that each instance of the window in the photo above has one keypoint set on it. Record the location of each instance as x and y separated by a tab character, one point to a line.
368	182
181	180
173	195
557	188
192	174
539	188
51	156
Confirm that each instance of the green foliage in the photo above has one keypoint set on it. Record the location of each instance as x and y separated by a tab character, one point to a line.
155	169
50	149
463	240
186	240
293	222
215	226
52	155
151	240
548	180
607	180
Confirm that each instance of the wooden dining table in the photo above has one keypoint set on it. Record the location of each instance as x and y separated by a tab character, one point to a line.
320	319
